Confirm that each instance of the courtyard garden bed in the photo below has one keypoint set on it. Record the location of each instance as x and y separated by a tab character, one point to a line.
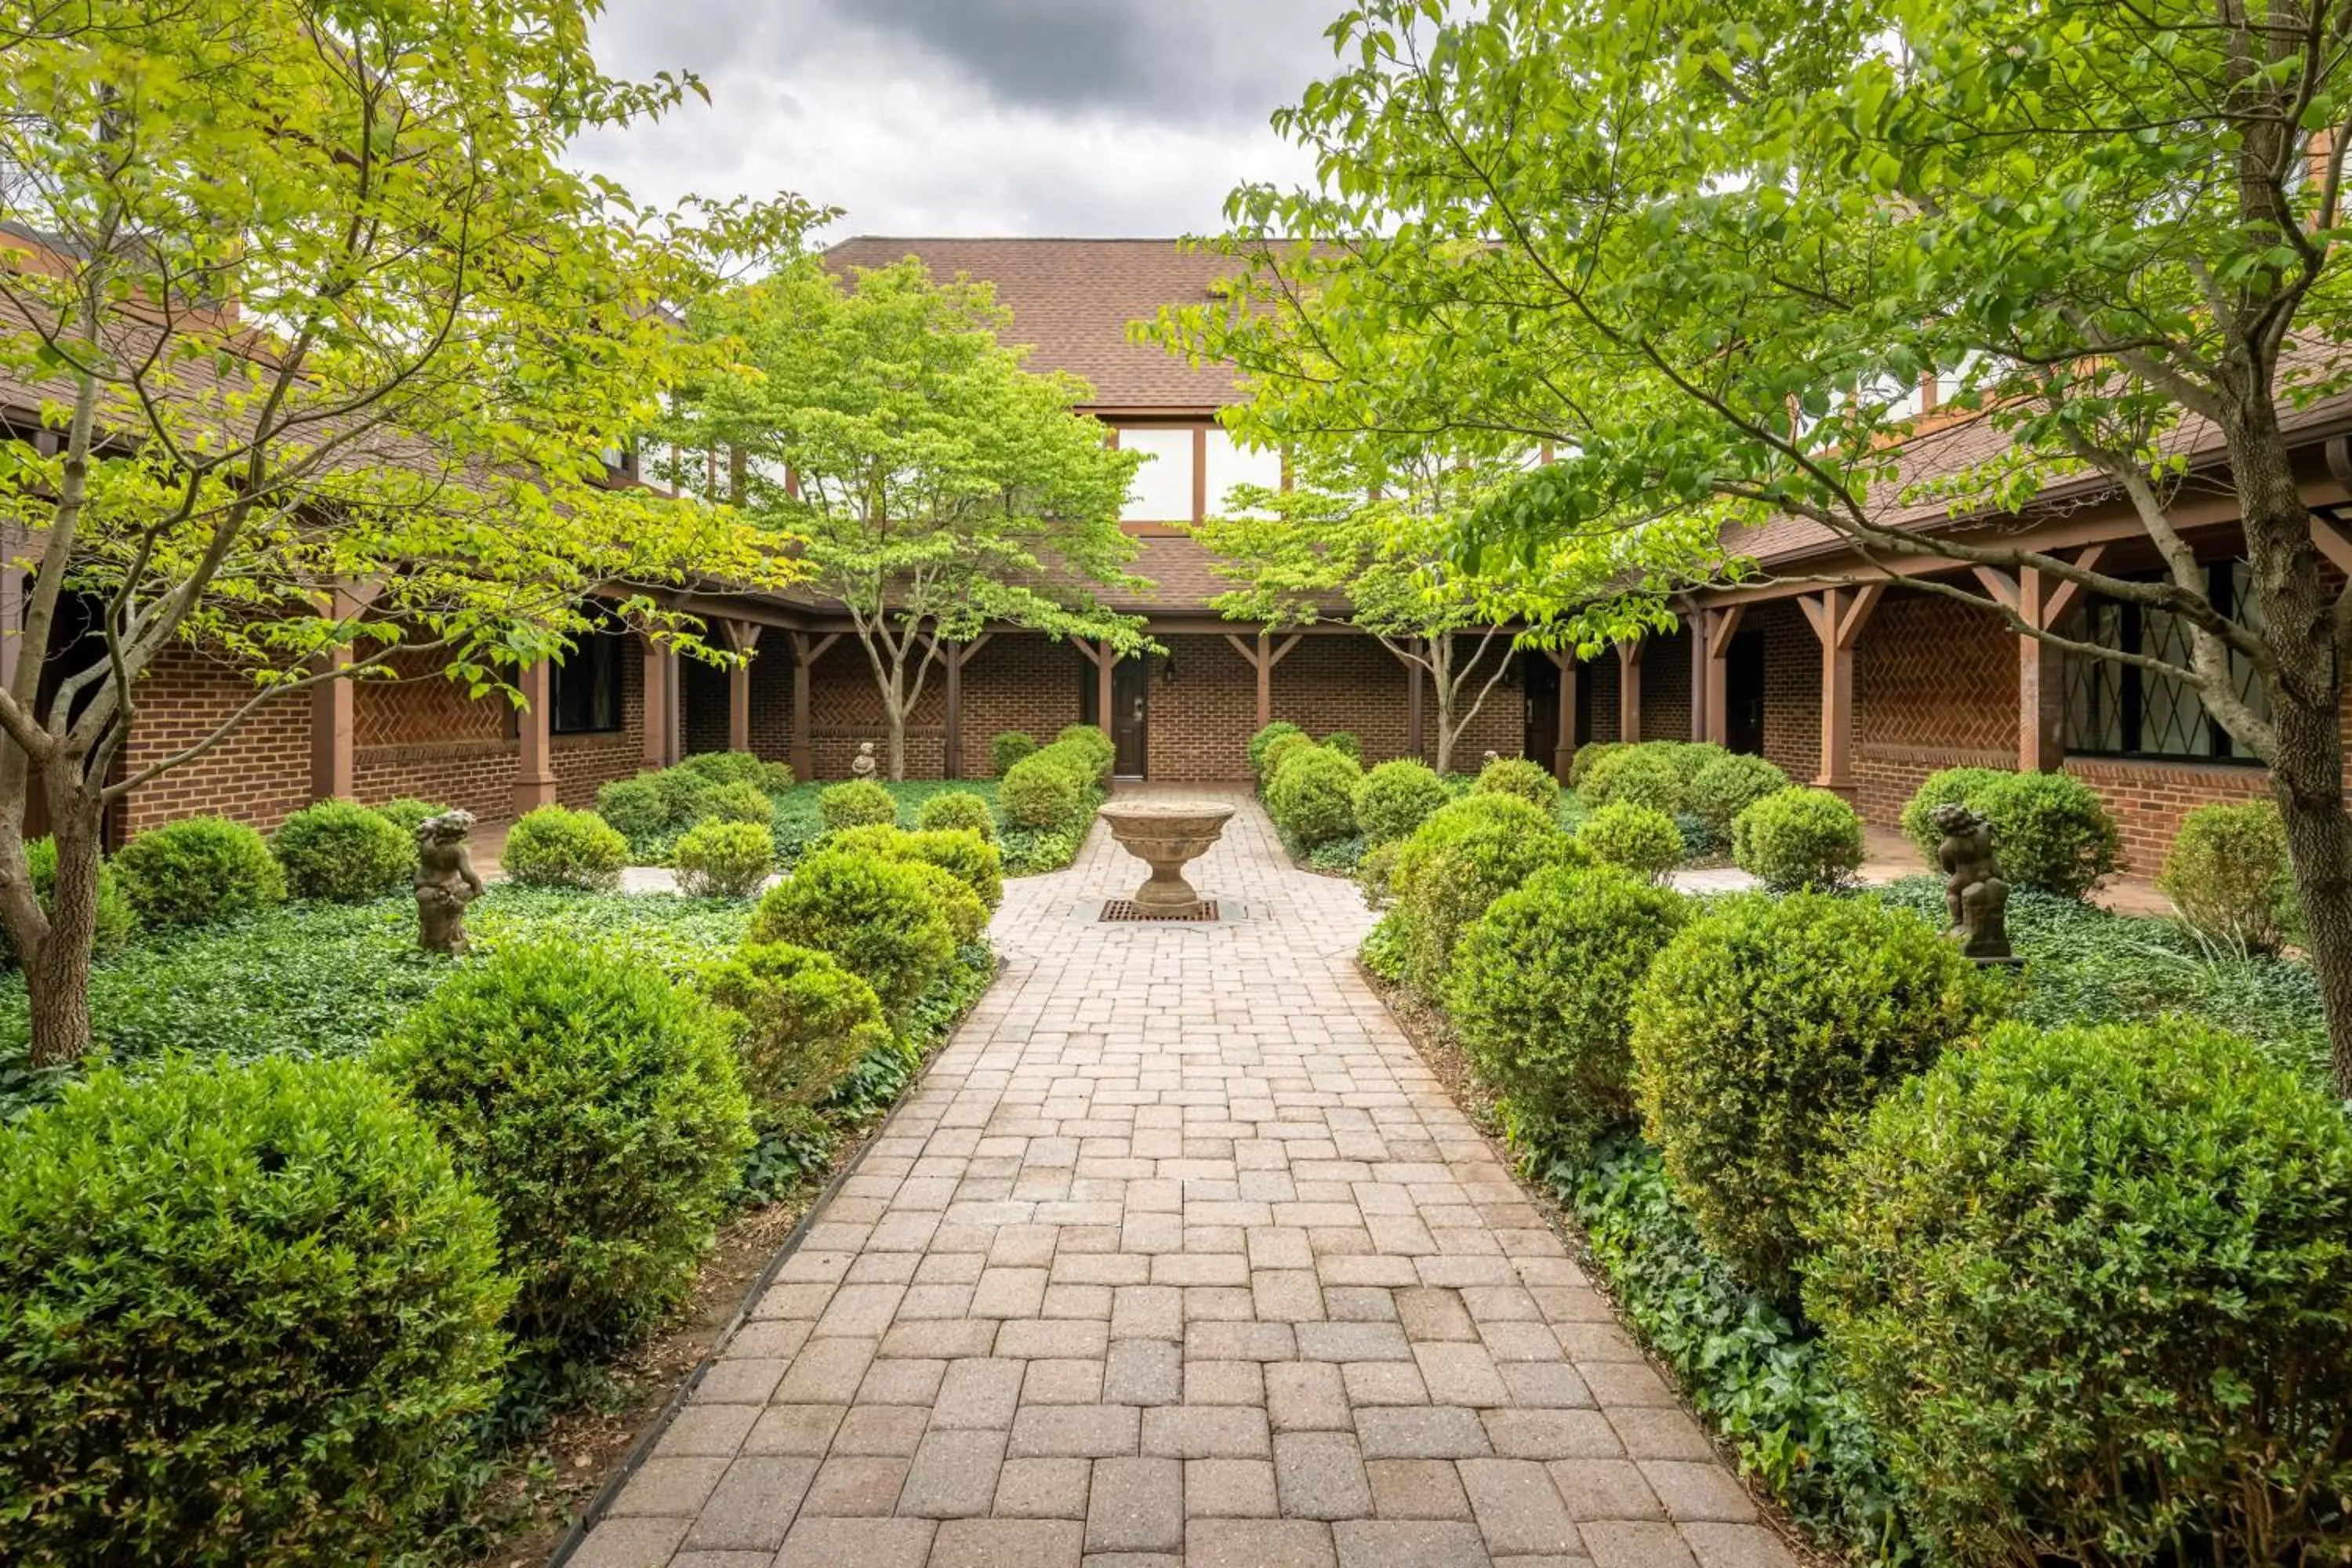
1825	1175
623	1102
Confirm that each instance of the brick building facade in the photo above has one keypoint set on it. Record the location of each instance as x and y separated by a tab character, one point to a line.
1835	672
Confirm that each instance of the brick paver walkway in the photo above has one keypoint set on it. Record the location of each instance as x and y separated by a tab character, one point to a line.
1180	1255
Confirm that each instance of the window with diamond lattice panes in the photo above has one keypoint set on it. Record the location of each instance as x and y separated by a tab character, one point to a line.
2123	710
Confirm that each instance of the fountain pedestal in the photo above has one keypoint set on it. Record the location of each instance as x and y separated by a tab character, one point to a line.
1167	835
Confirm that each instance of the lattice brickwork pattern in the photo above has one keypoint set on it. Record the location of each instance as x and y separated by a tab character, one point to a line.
1932	673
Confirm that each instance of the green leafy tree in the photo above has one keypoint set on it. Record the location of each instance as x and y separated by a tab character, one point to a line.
327	343
1358	537
940	488
1711	252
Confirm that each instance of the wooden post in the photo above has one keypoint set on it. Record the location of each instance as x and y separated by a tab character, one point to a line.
806	650
1838	615
1563	754
1723	625
659	697
1629	691
1264	663
1106	661
534	783
951	743
674	714
1700	665
2039	600
333	703
743	637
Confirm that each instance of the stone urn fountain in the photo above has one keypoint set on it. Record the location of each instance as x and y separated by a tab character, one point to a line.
1166	834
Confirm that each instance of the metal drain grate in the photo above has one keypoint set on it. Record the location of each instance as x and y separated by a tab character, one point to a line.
1128	909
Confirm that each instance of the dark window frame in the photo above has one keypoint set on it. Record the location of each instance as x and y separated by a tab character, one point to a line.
585	687
2091	684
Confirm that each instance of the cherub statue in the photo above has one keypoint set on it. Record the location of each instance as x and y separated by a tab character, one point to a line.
445	882
862	766
1975	897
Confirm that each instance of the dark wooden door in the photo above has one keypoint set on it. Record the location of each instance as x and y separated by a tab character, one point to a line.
1130	712
1542	686
1743	694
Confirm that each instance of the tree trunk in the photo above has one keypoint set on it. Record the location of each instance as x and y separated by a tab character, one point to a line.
57	960
1441	693
2307	707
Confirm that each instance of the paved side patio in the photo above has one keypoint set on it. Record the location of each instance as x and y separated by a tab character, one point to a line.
1180	1255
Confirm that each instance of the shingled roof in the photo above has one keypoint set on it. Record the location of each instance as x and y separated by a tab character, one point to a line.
1071	301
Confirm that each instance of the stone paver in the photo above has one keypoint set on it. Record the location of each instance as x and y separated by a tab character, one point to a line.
1180	1254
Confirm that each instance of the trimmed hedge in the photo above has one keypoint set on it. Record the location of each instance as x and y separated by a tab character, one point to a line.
1008	749
805	1022
1279	751
2095	1287
1266	737
1346	743
958	810
859	803
1761	1029
2051	832
1312	797
1396	797
1639	775
966	916
1798	838
345	852
1588	757
1096	750
1539	993
1947	786
1728	785
878	916
720	860
739	768
555	846
597	1104
1531	781
740	803
2228	877
248	1315
1041	791
1468	854
406	812
198	871
1636	837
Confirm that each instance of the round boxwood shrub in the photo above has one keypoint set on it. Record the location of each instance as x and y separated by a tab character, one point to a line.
1396	797
958	810
1588	757
718	859
741	802
806	1021
1801	837
967	856
1947	786
597	1104
1279	750
405	812
1266	737
1346	743
967	916
860	803
2050	832
198	871
639	809
1039	792
555	846
1540	988
1009	748
1691	758
2095	1289
1089	743
1728	785
248	1314
876	914
727	768
1643	841
2228	876
684	797
1762	1029
1312	797
341	850
1531	781
116	918
1468	854
1639	775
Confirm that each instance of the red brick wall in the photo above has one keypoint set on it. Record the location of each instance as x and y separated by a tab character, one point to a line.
260	774
1934	686
1792	687
1667	689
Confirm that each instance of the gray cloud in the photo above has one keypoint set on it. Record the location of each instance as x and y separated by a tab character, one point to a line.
1088	117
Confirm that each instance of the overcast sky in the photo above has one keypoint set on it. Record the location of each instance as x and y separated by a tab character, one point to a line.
969	116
